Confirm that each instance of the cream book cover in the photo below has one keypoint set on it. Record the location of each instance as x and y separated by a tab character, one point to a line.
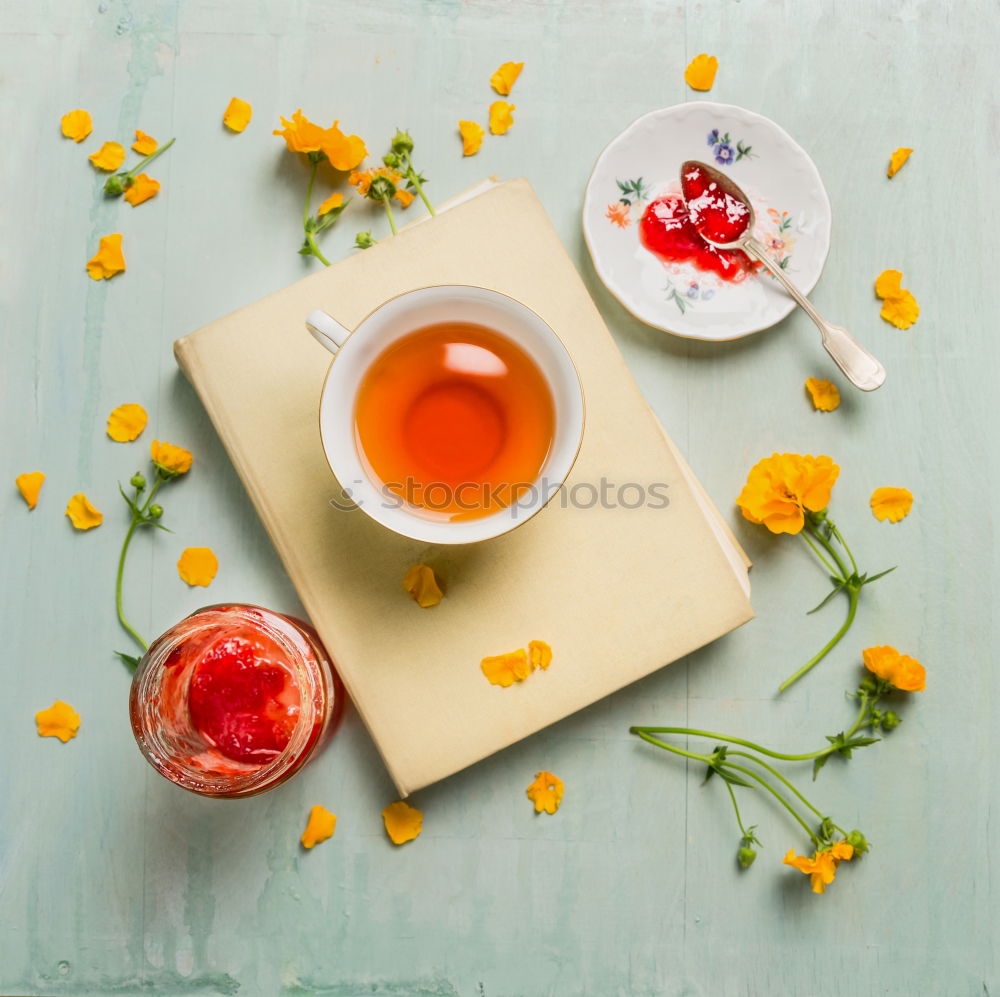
620	581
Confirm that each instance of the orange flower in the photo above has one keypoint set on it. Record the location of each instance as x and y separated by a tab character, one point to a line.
505	77
144	144
126	422
539	654
238	114
109	157
899	670
29	485
76	125
59	720
899	157
472	137
343	151
781	487
422	585
893	504
501	117
142	188
402	822
824	394
108	260
300	134
170	460
546	792
700	73
333	201
198	566
618	213
320	826
82	514
506	669
899	307
821	868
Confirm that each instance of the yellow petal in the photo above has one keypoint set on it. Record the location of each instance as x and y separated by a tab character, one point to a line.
546	792
126	422
344	151
59	720
109	157
29	485
82	514
142	188
320	826
887	284
238	114
198	566
824	394
422	584
901	311
472	137
505	77
899	157
333	201
405	197
76	125
506	669
893	504
402	822
144	144
501	117
700	73
539	654
170	459
108	260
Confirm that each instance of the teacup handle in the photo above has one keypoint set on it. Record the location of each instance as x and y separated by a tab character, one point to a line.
326	331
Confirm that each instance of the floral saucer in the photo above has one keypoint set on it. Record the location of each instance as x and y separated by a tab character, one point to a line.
643	163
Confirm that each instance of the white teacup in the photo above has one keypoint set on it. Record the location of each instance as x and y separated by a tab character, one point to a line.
354	352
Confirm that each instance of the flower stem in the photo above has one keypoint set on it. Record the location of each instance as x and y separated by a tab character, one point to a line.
310	238
830	548
736	808
778	776
138	516
763	782
707	759
414	178
311	242
388	211
826	564
852	591
156	152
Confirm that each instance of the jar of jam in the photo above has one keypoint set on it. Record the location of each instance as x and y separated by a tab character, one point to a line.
234	700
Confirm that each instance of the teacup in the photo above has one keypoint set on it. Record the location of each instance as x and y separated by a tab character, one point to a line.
465	419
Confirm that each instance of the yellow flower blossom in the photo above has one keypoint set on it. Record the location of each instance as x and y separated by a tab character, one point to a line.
700	73
238	114
144	144
59	720
333	201
422	585
472	137
505	77
781	487
76	125
109	157
126	422
301	135
900	670
142	188
821	868
108	260
893	504
29	485
546	792
539	654
824	394
899	306
320	826
82	514
169	459
899	157
402	822
501	117
198	566
506	669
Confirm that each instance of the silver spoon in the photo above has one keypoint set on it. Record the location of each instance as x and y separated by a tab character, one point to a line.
858	365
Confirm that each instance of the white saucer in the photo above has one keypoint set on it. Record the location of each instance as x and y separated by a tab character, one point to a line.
643	163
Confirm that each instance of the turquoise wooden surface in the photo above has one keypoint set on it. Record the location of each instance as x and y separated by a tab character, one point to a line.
112	881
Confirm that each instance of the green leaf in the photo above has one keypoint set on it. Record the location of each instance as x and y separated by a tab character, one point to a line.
839	587
128	501
874	578
129	660
861	742
818	763
732	779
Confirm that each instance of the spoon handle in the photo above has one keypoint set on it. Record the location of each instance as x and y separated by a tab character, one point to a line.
858	365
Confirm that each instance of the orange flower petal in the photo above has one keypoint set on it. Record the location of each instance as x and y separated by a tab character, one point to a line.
109	157
198	566
144	144
404	197
76	125
126	422
345	152
506	669
501	117
238	114
901	311
29	485
422	584
142	188
700	73
546	792
824	394
472	137
618	214
170	459
890	503
333	201
881	660
899	157
505	77
82	514
320	826
539	654
59	720
909	675
108	260
887	284
402	822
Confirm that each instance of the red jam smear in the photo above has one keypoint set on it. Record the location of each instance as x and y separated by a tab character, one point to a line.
242	699
715	213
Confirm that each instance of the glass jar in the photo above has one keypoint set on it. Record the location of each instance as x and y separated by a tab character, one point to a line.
234	700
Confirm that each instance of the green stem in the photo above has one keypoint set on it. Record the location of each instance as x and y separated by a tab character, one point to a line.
311	242
138	515
707	759
852	609
714	735
412	176
736	808
309	193
388	211
818	535
763	782
843	543
826	564
780	777
157	152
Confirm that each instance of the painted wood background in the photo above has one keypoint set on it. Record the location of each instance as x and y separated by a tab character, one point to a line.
113	881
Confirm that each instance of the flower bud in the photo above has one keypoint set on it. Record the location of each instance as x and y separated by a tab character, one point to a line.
857	841
867	684
391	159
402	143
364	240
114	186
746	856
138	481
155	511
891	720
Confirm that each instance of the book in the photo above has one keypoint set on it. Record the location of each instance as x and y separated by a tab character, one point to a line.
627	569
